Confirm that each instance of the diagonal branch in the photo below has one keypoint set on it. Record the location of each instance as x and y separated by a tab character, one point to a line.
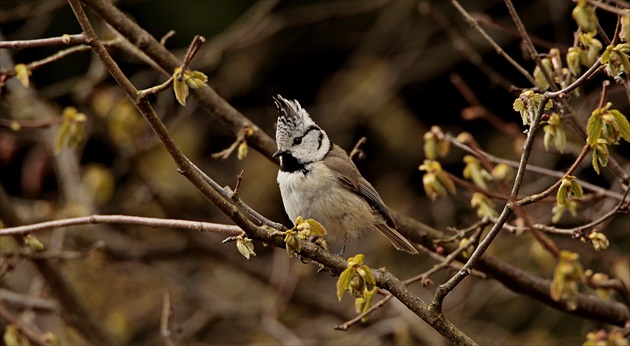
335	263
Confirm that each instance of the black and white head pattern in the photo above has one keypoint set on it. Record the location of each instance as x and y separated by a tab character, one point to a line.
300	141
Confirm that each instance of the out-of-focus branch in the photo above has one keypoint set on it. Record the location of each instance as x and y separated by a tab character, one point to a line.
28	333
473	22
73	311
521	282
126	220
207	97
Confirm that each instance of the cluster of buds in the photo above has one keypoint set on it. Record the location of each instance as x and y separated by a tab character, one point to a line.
435	143
357	279
302	230
435	181
605	127
566	279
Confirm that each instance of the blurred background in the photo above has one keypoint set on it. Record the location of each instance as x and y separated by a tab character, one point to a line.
384	70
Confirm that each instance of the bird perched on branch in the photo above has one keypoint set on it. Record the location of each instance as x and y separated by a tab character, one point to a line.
319	181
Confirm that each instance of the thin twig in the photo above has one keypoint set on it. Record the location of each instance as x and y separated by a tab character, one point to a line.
577	232
44	42
17	125
473	22
190	54
551	189
535	169
125	220
165	318
444	289
357	153
239	178
27	332
156	89
166	36
228	194
530	46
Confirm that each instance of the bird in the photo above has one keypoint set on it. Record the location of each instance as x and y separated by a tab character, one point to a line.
319	181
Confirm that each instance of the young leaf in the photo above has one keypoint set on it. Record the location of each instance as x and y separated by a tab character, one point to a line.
241	152
245	246
599	240
61	137
576	189
196	79
181	90
344	281
594	127
292	242
519	106
585	17
600	154
316	228
623	126
23	73
475	172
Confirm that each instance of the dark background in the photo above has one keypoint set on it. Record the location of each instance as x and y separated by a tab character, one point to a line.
385	71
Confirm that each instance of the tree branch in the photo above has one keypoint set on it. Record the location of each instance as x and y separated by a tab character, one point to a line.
125	220
334	263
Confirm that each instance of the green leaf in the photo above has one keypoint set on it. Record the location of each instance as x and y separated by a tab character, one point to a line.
519	106
292	242
196	79
474	172
561	197
622	124
585	17
180	87
344	281
576	189
600	155
445	181
548	137
34	243
539	75
574	58
316	228
181	91
12	336
432	186
594	128
61	137
595	162
241	152
606	55
624	61
560	139
369	278
245	247
483	205
23	73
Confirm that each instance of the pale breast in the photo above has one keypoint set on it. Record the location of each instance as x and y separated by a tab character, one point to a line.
318	195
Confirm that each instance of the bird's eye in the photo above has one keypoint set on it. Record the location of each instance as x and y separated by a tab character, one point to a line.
297	140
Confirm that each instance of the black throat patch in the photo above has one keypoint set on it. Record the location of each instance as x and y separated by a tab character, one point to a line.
290	164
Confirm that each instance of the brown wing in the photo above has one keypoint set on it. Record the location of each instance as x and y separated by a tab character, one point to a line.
348	174
349	177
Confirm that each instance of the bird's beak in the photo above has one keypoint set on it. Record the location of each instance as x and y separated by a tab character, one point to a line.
279	152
